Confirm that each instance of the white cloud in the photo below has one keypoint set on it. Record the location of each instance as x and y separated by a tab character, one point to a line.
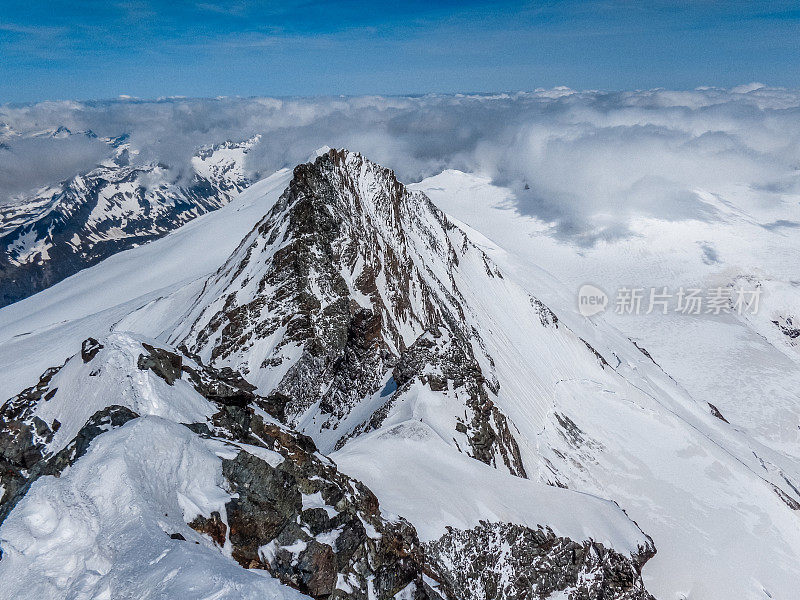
592	161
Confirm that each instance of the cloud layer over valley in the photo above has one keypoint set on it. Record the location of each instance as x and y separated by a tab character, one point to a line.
588	164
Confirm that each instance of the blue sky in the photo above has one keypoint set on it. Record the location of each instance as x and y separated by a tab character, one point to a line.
88	49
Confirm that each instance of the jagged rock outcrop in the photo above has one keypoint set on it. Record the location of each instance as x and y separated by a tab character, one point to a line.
291	512
300	519
502	560
787	327
348	279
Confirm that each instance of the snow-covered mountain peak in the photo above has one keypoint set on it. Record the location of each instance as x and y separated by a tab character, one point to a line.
224	162
168	435
64	228
357	313
318	152
343	298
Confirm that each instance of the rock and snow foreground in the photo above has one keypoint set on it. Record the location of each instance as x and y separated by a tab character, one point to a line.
328	388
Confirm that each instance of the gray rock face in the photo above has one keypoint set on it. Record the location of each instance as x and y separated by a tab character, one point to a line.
501	560
89	349
307	524
163	363
298	517
339	272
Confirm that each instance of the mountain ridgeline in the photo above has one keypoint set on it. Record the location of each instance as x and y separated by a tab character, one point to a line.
62	229
357	403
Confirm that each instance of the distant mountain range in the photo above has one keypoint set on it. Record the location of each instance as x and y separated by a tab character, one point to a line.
59	230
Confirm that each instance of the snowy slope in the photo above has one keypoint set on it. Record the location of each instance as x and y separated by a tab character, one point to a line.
744	358
748	372
429	361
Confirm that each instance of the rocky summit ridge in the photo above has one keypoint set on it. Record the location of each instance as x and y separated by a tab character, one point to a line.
348	318
345	291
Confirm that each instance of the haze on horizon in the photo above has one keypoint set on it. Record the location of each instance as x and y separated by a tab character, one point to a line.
144	48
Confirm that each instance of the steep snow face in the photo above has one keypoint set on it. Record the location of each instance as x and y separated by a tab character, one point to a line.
709	482
750	365
118	205
437	488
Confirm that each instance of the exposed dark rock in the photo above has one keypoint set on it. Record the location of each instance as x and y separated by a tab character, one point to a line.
597	355
214	527
573	434
111	417
716	413
512	562
225	385
21	405
786	498
306	523
547	316
643	350
788	328
23	439
163	363
19	452
89	349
